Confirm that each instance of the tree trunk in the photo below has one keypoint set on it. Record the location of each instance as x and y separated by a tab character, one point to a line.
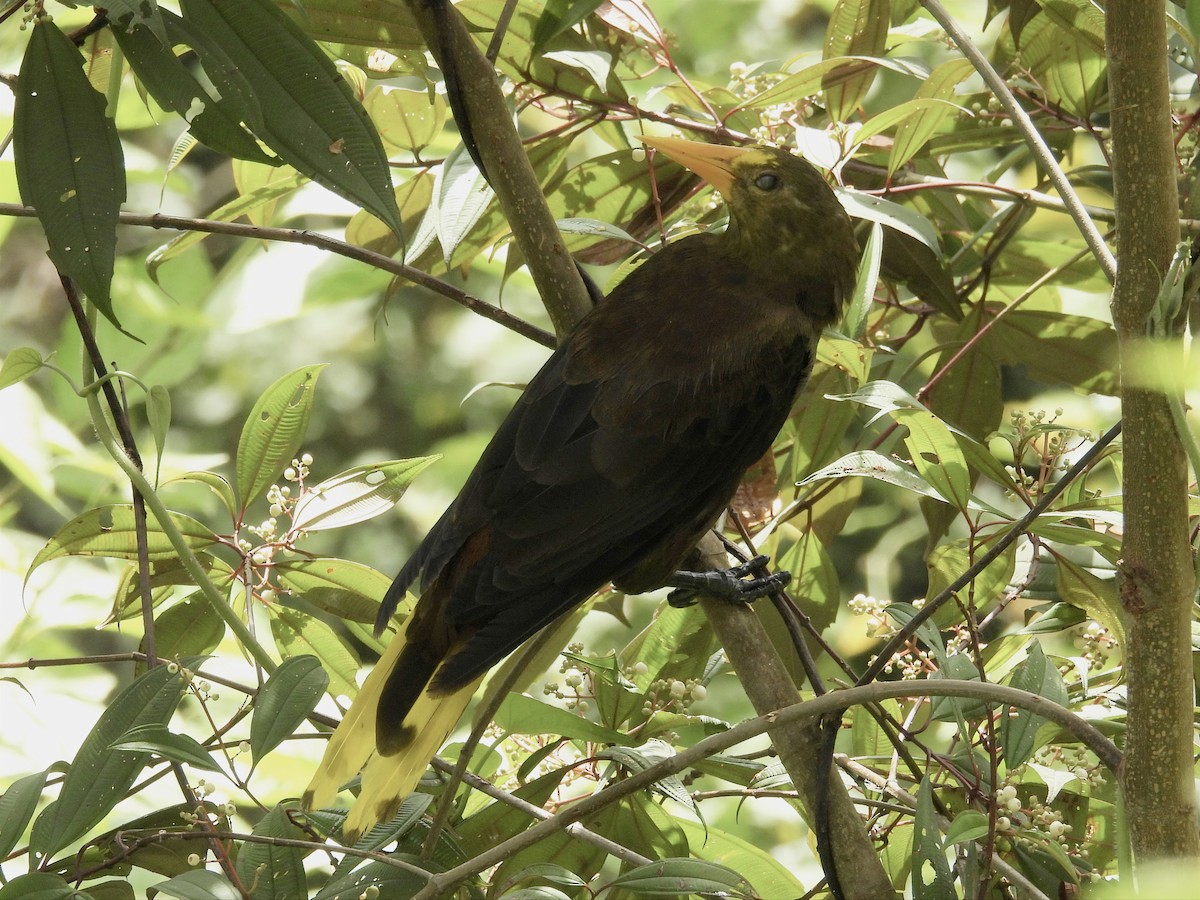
1156	579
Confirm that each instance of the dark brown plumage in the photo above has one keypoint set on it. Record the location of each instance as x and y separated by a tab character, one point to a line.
623	449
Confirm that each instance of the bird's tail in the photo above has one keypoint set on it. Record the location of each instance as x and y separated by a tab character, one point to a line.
386	780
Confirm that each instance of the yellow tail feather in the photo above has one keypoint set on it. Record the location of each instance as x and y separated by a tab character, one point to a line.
387	780
354	740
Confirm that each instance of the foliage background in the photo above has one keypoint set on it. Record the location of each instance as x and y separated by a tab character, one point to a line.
228	317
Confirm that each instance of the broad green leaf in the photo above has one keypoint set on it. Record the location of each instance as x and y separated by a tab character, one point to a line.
856	28
109	531
410	120
215	483
158	414
17	806
38	886
188	628
499	820
582	225
346	589
463	195
69	163
137	15
18	365
289	695
310	116
1094	595
869	464
893	215
273	432
916	130
160	740
968	825
275	871
386	24
1018	731
682	877
200	884
521	714
357	494
165	575
948	560
596	64
99	776
642	757
814	577
413	197
1058	348
824	75
299	634
767	875
816	428
931	878
855	322
936	455
214	119
559	16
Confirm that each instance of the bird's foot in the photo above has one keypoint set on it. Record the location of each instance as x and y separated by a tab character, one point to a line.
738	584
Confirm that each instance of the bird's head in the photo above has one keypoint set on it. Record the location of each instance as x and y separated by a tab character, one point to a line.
783	215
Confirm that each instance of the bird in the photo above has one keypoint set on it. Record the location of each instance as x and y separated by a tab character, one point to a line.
622	451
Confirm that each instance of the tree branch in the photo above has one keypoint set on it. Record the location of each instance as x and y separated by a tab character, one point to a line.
808	711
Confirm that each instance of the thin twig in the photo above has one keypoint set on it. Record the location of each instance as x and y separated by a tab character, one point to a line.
1105	750
1037	144
332	245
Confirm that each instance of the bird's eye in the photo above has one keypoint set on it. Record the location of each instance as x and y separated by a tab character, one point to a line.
767	181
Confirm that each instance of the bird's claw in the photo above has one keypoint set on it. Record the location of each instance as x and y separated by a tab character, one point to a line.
738	584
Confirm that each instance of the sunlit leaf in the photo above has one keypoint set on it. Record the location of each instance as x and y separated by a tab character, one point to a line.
357	494
273	432
69	163
285	701
18	365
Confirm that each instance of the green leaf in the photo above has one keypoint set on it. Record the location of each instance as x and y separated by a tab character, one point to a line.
109	531
869	464
215	483
285	701
559	16
855	323
214	119
410	120
936	455
310	116
273	432
298	634
1094	595
893	215
679	877
198	885
826	74
1058	348
188	628
521	714
69	164
931	878
357	494
856	28
1018	732
18	365
968	825
38	886
345	589
158	414
17	807
814	577
916	130
276	872
99	776
158	739
767	875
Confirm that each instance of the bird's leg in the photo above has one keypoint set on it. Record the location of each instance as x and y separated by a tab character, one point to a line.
738	584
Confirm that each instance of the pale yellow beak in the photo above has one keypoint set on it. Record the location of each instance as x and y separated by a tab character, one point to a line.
712	162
